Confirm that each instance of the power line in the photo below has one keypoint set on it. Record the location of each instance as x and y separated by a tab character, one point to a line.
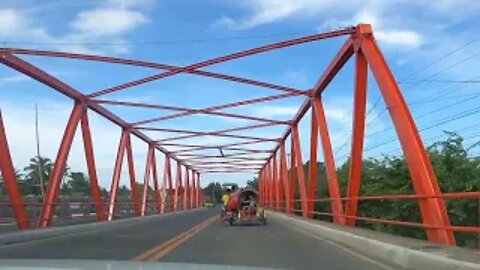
153	43
441	58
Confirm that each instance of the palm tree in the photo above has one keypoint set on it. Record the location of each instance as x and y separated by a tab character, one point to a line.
38	166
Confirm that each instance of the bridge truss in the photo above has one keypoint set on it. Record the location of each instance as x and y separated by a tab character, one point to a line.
278	182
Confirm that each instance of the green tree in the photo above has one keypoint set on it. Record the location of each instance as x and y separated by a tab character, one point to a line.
253	184
213	189
77	183
38	166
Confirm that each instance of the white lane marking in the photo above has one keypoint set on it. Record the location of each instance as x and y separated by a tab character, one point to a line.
354	253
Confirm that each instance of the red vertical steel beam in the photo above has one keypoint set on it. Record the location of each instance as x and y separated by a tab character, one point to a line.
131	172
59	167
178	184
171	188
199	189
313	169
423	177
153	163
164	187
300	172
270	184
10	181
146	179
92	171
276	181
186	189
293	176
331	170
284	176
193	200
116	174
358	127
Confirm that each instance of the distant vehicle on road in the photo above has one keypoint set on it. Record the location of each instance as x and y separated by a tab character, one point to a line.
208	204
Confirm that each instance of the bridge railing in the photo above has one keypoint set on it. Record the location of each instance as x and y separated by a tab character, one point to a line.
70	210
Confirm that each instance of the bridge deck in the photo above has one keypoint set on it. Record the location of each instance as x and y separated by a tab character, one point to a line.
275	245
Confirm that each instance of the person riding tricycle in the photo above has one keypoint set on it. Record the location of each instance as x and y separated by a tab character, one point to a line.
242	207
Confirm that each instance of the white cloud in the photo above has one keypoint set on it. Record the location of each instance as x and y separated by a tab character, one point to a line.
270	111
399	37
107	22
224	21
15	78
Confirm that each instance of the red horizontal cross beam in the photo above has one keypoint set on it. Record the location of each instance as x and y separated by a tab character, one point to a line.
215	108
198	134
225	58
138	63
206	157
188	110
218	135
216	147
227	145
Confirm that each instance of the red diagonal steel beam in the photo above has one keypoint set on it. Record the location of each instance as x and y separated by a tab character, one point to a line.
153	65
227	145
216	147
214	108
201	133
342	56
225	162
233	158
181	109
32	71
225	58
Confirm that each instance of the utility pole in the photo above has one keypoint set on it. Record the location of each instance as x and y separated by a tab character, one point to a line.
39	158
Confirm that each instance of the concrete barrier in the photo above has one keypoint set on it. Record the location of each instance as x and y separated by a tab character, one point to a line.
390	249
36	234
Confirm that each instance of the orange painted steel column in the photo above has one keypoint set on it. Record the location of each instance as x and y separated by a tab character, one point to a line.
281	206
313	169
164	187
331	170
293	175
146	179
300	172
116	174
276	182
171	188
92	171
58	170
260	187
270	184
423	177
131	173
158	200
193	200
186	189
178	184
10	181
284	176
199	190
358	127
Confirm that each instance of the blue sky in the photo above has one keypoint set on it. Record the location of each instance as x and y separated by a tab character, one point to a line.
432	49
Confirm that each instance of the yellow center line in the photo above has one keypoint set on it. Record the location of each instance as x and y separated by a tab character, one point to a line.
158	252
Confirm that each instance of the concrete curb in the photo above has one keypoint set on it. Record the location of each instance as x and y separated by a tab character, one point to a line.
390	253
37	234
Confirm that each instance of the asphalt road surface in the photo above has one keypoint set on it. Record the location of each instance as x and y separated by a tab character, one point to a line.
196	237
